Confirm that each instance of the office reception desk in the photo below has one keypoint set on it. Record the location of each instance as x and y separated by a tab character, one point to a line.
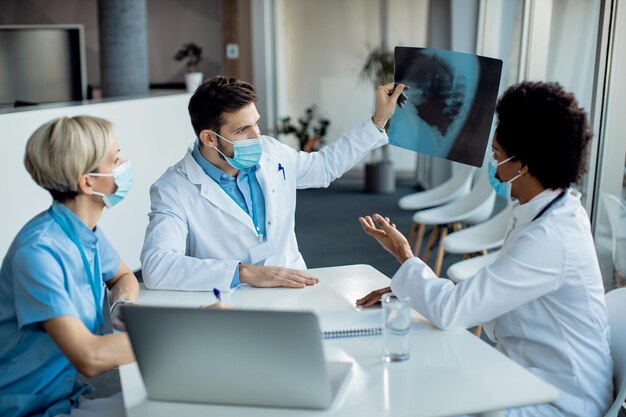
449	372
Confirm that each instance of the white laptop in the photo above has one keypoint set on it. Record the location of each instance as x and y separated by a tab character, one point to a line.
238	357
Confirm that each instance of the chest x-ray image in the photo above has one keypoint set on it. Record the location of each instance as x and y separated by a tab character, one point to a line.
450	106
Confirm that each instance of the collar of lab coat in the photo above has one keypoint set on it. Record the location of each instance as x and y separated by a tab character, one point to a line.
212	192
524	213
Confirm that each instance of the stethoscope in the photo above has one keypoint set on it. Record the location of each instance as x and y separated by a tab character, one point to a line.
550	204
541	213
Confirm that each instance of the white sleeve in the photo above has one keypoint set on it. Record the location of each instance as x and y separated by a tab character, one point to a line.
530	267
319	169
165	265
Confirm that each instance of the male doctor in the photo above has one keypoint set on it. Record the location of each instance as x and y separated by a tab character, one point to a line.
224	214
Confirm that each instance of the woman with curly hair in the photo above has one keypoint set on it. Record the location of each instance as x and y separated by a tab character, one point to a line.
542	300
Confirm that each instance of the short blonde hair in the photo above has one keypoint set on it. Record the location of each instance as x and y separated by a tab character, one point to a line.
63	149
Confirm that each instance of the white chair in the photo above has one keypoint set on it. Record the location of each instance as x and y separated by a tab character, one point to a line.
616	307
457	186
463	270
482	237
476	207
616	213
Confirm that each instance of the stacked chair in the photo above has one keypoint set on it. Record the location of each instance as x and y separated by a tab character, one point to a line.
473	208
457	186
616	213
477	240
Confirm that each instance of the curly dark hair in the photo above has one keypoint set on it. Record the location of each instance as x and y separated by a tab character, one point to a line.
543	126
215	97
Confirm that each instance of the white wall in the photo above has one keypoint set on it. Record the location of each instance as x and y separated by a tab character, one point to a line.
153	133
325	45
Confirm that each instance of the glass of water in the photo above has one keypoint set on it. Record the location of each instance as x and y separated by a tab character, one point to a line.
396	328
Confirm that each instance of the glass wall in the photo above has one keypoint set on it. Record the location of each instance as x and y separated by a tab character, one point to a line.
571	61
609	187
499	35
575	42
572	47
552	40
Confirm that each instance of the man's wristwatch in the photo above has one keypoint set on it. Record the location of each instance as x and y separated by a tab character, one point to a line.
380	129
118	302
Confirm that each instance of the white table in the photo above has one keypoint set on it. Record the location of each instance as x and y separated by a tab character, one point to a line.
449	372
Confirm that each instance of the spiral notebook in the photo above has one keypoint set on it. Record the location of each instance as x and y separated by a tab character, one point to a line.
351	324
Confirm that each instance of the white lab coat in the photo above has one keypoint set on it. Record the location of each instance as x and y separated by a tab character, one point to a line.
541	301
197	234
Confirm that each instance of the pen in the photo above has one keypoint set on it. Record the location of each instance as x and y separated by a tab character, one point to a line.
282	168
217	294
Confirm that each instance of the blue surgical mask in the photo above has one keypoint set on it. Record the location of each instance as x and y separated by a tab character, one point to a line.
247	153
123	177
503	189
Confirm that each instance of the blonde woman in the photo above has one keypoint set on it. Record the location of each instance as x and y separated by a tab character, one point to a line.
52	280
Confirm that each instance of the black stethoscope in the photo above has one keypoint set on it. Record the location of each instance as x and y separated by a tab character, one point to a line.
550	204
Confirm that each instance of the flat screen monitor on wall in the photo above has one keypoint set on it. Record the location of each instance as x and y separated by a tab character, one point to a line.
41	64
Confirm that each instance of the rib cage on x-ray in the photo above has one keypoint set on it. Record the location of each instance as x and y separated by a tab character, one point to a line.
450	104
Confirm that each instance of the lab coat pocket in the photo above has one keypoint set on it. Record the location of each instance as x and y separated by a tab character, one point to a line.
282	202
508	325
261	252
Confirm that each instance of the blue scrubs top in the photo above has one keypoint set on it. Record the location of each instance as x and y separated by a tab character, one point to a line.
42	277
244	189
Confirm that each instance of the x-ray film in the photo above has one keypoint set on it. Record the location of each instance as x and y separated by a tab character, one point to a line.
450	106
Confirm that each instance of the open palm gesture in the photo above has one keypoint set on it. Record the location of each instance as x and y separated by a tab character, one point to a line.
385	232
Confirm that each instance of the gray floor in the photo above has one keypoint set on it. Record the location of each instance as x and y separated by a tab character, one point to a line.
329	234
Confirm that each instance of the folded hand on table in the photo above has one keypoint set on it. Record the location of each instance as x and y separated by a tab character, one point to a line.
275	276
373	298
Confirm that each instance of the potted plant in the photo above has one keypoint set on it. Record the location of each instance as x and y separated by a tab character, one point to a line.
379	173
310	130
192	54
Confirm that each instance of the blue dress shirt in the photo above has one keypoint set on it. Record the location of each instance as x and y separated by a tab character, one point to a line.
244	189
43	277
